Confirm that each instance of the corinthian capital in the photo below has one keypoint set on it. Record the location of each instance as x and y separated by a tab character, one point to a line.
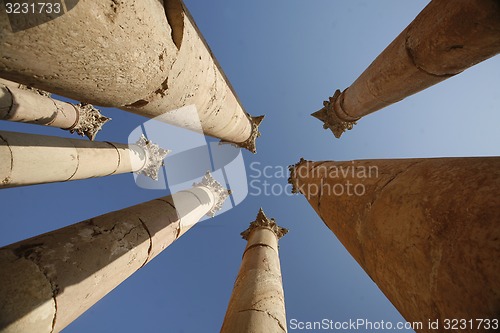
262	221
154	157
90	120
217	189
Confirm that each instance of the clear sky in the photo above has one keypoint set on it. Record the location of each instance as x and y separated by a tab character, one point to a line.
283	58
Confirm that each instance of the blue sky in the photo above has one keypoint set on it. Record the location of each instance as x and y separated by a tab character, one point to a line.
283	59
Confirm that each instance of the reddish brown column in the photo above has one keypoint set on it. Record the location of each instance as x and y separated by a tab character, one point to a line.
425	230
446	38
257	304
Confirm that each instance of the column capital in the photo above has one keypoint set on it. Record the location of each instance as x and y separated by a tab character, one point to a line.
154	155
262	221
90	121
250	143
217	189
330	116
292	179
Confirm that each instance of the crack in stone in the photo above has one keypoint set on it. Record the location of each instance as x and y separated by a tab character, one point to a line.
266	298
150	242
7	179
127	233
77	155
267	313
390	181
11	107
29	252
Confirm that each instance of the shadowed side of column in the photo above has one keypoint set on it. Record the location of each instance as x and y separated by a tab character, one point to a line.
47	281
425	230
446	38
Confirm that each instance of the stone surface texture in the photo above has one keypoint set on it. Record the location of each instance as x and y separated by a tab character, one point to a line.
21	105
27	159
257	303
445	39
425	230
47	281
143	56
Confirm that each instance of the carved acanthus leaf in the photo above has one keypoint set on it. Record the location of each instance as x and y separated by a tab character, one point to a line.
250	143
330	118
262	221
90	121
154	155
292	179
220	193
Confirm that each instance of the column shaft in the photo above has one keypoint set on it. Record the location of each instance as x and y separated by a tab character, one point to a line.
425	230
27	159
47	281
170	65
257	302
21	105
443	40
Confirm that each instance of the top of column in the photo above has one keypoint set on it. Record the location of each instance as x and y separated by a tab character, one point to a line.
220	193
262	221
333	117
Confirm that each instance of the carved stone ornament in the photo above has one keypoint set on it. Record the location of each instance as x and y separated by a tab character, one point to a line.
249	143
220	193
90	121
331	120
154	157
292	180
262	221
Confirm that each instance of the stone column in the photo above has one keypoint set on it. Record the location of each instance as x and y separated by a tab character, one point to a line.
47	281
257	304
169	67
425	230
446	38
27	159
19	103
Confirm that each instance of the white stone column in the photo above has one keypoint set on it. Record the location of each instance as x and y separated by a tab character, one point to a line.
47	281
24	105
27	159
257	304
169	66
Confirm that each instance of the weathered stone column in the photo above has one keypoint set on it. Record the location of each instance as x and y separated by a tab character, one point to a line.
257	304
27	159
47	281
170	65
24	105
425	230
446	38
